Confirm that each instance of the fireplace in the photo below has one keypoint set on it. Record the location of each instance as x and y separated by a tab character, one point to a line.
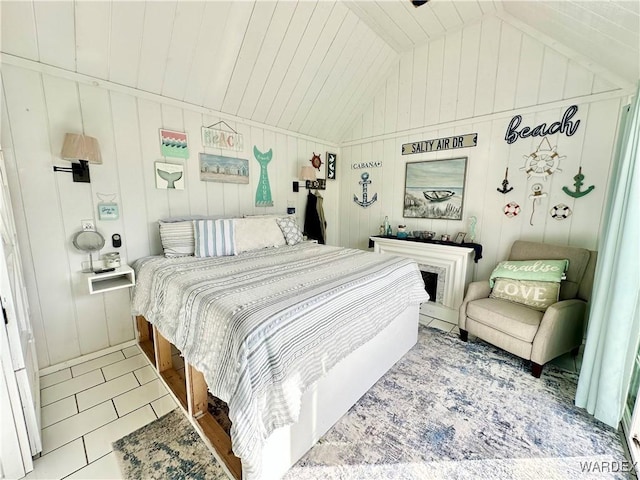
446	269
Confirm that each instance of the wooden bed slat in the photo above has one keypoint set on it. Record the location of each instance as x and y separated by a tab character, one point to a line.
221	443
196	391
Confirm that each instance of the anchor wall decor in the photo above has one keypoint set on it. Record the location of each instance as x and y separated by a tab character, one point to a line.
578	184
365	182
505	183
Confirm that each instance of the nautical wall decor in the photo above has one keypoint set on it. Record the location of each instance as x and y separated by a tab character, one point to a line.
169	176
359	165
365	182
316	161
225	139
543	162
437	144
263	192
331	166
536	197
578	192
566	126
435	189
217	168
505	183
511	209
173	144
560	211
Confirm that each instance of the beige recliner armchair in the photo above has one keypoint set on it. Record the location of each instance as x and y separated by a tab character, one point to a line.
532	334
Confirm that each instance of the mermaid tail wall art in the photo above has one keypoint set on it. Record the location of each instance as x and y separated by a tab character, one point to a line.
263	193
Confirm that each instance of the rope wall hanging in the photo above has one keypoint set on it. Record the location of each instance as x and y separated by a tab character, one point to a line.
505	183
536	196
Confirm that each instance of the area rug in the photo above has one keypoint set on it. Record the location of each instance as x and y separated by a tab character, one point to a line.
447	409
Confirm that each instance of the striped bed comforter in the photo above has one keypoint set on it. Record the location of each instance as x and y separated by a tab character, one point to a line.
264	325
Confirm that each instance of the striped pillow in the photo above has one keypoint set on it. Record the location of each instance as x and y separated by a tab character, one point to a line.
214	238
177	238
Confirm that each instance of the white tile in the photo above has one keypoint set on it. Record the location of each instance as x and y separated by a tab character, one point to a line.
74	427
147	393
60	462
455	331
106	391
164	405
98	442
145	374
440	325
56	411
69	387
97	363
56	377
104	468
131	351
125	366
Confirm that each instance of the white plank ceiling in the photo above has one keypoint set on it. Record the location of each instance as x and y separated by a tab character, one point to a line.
308	67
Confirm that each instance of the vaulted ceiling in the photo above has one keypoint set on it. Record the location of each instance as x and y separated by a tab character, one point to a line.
308	67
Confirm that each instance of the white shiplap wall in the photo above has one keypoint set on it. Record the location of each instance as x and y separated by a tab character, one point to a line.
476	80
37	110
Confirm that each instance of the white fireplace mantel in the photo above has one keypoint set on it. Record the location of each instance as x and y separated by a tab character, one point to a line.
455	263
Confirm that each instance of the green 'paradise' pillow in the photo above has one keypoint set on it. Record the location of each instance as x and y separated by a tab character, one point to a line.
538	270
537	295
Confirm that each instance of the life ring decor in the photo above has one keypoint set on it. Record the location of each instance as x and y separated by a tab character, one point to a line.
543	162
511	209
560	211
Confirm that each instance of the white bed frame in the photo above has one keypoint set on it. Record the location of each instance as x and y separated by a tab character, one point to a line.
323	403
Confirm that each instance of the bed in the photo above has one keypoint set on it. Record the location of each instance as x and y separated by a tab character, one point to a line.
288	337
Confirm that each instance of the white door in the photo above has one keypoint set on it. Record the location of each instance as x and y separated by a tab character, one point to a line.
17	329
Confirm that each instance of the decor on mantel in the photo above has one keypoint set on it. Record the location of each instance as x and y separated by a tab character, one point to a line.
473	220
173	144
169	176
85	150
217	168
578	192
435	189
437	144
225	139
505	183
365	182
566	126
536	196
263	192
543	162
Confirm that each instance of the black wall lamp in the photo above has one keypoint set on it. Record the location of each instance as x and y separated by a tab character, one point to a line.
83	149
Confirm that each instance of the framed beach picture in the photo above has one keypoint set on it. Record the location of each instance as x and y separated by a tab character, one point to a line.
218	168
435	189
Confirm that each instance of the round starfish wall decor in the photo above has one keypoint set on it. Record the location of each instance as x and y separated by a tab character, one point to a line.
543	162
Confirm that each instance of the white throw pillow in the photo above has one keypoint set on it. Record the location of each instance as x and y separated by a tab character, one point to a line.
255	233
177	238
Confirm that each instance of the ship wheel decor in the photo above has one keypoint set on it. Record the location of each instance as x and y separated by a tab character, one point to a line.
316	161
543	162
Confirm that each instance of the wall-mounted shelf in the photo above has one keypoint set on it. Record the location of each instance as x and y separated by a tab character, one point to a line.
121	277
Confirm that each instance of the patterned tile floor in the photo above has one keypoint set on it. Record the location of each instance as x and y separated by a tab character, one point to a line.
88	406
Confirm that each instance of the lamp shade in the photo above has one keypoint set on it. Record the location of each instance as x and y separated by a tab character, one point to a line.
308	173
81	147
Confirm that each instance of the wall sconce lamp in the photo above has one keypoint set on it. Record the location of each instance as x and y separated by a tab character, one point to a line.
308	174
85	150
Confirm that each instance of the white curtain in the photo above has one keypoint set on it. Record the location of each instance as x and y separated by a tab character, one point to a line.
614	325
